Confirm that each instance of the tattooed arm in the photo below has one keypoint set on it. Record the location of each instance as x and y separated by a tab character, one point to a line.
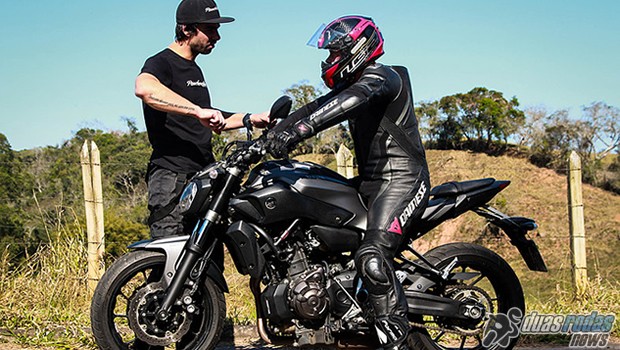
150	90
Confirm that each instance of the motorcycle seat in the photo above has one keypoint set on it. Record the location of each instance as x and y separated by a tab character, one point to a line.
454	188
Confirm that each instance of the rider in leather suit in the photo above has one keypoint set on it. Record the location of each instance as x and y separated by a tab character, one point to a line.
377	101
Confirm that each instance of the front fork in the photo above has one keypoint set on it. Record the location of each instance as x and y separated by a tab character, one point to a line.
197	244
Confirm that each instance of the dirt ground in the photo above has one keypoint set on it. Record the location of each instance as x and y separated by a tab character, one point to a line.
248	346
245	338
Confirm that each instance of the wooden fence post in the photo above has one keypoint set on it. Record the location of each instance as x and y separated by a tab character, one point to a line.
577	227
344	160
93	203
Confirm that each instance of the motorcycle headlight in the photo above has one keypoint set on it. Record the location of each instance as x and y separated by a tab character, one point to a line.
188	196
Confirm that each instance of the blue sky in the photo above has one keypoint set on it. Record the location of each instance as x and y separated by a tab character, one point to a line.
72	64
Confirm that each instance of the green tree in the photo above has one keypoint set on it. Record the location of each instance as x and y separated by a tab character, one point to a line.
12	175
58	182
602	135
478	117
554	141
439	121
14	186
552	136
302	94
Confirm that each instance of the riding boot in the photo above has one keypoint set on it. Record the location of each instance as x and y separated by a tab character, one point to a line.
386	298
391	321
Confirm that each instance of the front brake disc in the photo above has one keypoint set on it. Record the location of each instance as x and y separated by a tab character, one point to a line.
142	316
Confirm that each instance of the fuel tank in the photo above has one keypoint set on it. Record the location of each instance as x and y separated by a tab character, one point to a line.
283	190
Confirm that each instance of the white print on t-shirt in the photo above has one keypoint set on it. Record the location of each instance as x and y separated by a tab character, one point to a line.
196	83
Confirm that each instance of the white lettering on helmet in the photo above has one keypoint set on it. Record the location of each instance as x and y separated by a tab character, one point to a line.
210	9
356	62
358	45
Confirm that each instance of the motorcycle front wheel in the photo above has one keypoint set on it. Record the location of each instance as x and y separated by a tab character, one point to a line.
122	309
496	286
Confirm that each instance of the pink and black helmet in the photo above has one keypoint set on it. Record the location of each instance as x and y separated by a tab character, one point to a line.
353	42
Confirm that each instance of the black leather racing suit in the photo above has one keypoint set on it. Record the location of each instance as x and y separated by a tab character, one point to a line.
394	177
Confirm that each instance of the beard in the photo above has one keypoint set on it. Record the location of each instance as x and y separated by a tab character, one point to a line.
201	47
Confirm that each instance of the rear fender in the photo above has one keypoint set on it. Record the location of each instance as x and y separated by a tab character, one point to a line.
172	247
516	229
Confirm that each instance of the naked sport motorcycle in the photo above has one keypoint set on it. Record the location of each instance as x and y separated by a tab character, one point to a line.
293	227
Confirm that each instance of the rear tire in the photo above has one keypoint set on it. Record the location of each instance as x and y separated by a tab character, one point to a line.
499	282
110	304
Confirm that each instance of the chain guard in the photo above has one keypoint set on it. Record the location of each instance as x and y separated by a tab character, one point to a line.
456	292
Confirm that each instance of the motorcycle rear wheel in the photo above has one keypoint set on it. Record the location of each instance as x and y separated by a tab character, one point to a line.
497	284
110	305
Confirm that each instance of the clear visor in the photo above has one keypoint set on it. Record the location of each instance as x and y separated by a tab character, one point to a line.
314	40
326	39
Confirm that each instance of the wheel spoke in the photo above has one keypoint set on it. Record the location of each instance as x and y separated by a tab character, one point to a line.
463	338
479	339
486	281
120	315
131	342
441	334
477	280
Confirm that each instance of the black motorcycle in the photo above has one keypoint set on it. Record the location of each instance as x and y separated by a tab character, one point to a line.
293	227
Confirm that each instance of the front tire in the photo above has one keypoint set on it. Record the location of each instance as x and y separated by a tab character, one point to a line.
110	307
497	285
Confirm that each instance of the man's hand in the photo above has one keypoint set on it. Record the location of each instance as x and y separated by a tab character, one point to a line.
212	119
279	144
260	120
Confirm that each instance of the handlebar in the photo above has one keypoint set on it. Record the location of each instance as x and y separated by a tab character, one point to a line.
247	153
251	151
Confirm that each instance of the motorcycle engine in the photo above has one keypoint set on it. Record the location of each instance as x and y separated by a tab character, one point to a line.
302	295
308	296
315	297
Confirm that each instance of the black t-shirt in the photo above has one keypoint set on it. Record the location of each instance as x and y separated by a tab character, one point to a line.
180	143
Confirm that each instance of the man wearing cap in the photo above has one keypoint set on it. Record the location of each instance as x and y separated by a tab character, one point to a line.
178	113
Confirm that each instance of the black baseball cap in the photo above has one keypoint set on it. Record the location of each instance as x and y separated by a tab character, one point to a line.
200	11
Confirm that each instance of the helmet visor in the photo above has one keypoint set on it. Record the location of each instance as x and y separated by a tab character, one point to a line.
314	40
328	38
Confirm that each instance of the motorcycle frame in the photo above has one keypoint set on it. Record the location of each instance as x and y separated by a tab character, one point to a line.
183	253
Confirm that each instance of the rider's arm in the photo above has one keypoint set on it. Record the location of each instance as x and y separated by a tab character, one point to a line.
372	87
301	113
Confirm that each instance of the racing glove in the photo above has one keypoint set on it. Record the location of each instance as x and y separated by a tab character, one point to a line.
279	144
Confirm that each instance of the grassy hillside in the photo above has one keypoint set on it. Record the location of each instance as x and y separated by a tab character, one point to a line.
540	194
